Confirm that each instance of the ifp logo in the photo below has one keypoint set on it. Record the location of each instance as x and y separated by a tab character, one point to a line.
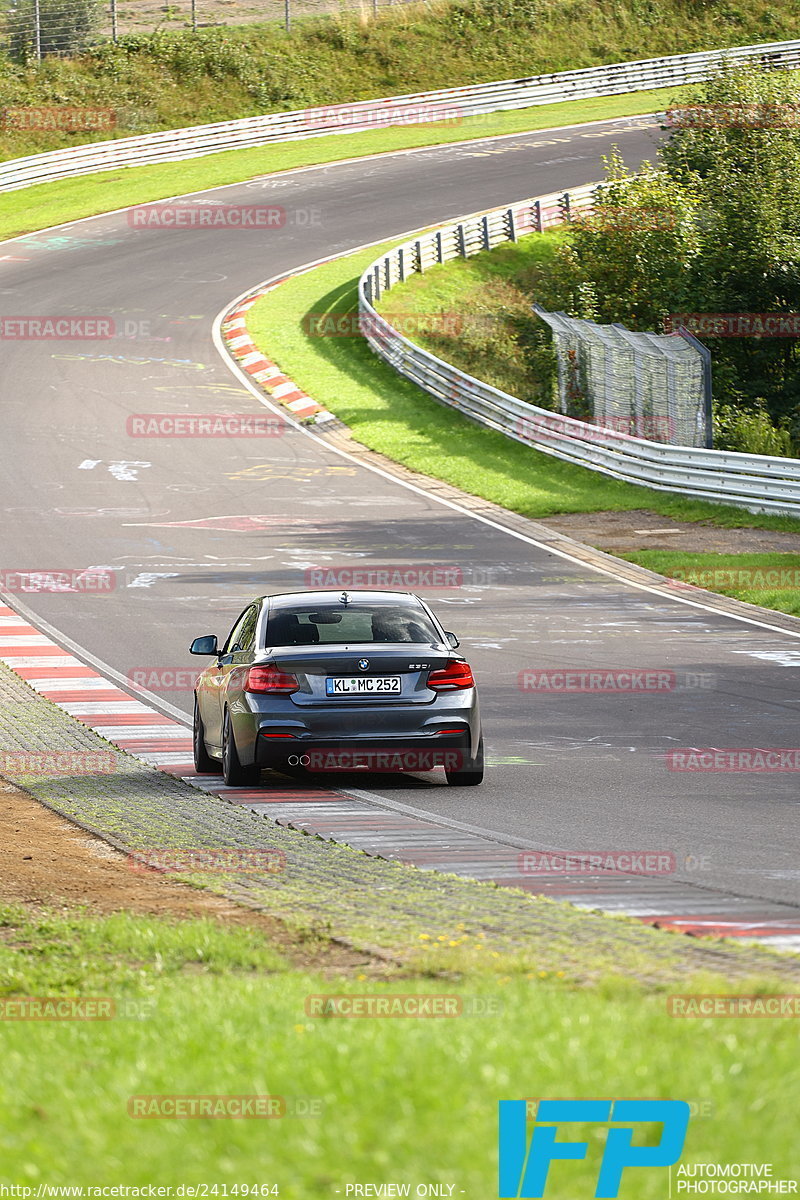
524	1167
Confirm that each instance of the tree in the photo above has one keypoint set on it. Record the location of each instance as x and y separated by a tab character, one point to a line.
742	160
727	186
634	251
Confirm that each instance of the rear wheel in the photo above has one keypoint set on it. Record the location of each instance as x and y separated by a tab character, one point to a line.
234	774
472	772
204	764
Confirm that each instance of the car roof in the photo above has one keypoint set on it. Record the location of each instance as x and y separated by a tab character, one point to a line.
325	599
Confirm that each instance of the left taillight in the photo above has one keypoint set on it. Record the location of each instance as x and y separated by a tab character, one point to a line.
451	678
270	679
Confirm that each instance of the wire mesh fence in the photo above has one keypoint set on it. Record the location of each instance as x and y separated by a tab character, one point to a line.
757	482
648	385
36	28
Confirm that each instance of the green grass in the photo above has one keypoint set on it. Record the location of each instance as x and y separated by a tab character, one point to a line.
771	580
70	199
400	1100
487	327
392	416
53	953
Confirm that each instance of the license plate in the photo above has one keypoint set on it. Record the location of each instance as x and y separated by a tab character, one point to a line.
370	685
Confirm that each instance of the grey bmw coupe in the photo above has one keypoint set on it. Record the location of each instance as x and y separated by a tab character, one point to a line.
336	681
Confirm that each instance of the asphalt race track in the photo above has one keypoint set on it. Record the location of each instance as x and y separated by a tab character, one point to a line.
174	520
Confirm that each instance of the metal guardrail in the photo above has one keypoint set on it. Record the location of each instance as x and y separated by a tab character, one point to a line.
755	481
450	105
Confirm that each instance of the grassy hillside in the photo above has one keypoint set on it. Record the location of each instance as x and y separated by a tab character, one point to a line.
164	80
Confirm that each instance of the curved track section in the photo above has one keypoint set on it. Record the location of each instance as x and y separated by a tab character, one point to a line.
191	528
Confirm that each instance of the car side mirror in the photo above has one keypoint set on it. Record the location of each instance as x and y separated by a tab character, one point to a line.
453	641
204	645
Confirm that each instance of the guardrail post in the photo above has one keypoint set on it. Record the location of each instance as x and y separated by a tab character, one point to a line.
487	238
401	265
377	282
511	225
420	264
566	207
537	216
462	239
387	282
439	247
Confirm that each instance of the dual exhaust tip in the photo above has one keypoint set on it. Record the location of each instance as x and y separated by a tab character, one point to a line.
299	760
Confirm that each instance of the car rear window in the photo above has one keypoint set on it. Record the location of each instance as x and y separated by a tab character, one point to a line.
348	625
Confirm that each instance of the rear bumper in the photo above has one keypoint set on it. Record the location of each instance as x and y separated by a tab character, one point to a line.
343	754
272	733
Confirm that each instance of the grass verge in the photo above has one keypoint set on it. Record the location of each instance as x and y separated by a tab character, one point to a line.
390	415
163	80
771	580
70	199
213	1012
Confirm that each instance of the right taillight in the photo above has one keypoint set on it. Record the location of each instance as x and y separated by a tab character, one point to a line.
451	678
270	679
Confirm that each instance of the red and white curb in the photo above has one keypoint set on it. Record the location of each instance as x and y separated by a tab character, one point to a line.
114	714
265	372
391	832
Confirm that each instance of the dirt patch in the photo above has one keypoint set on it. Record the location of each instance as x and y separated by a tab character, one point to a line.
640	529
46	862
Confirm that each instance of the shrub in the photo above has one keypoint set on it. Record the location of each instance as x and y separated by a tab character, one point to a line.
750	432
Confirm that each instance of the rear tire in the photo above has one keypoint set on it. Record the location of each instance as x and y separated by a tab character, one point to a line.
204	764
234	774
471	775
